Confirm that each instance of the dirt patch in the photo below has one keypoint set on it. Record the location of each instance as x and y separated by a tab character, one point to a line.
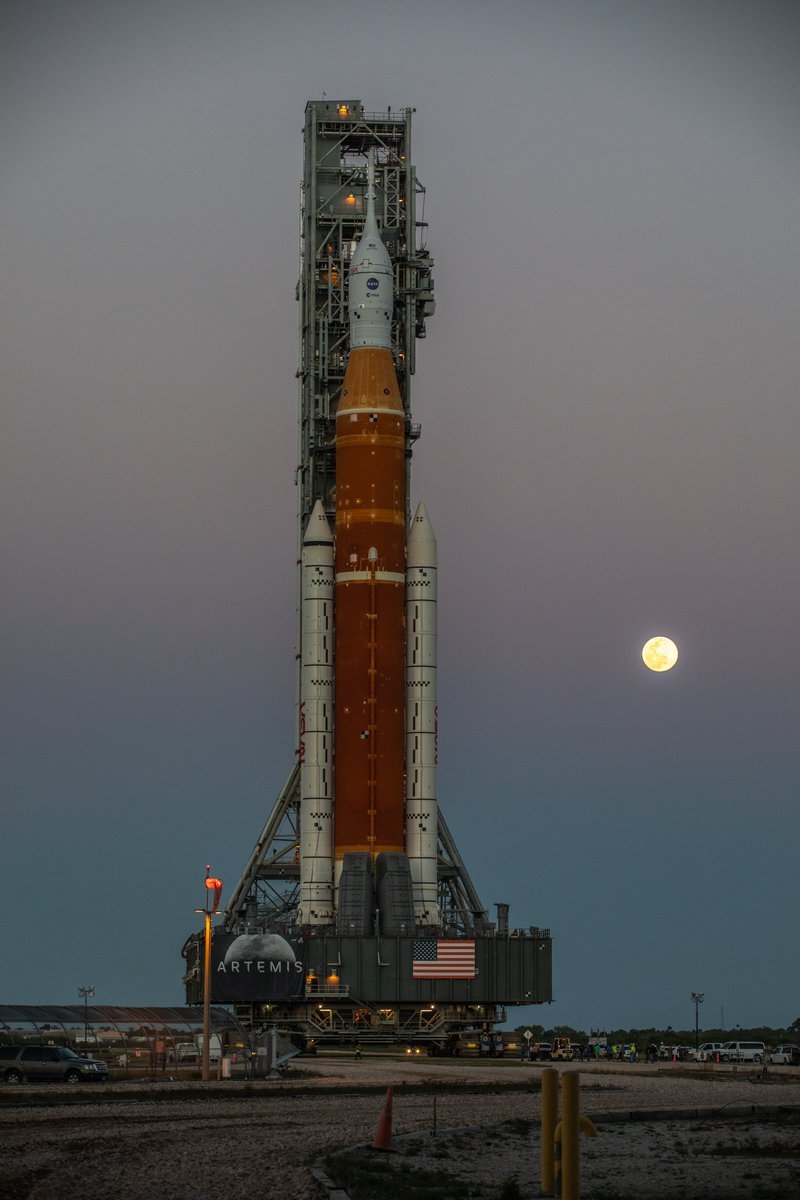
708	1158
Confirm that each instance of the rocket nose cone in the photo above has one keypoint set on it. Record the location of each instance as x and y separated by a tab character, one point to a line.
421	539
318	529
421	524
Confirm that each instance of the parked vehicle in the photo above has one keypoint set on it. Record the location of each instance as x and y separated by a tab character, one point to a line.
675	1053
542	1051
34	1063
708	1052
597	1047
597	1050
786	1055
564	1050
742	1052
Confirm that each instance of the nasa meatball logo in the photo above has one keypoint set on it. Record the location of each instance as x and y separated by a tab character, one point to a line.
372	283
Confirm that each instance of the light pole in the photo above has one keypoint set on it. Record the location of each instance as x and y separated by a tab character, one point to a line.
84	993
697	999
213	893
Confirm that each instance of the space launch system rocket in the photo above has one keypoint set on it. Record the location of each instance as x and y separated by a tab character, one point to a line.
368	709
356	873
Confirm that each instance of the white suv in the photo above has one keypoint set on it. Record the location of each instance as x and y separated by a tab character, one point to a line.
786	1055
742	1052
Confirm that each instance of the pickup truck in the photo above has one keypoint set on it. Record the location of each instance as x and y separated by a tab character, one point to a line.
708	1052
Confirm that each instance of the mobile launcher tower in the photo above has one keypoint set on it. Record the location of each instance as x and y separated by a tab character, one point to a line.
355	916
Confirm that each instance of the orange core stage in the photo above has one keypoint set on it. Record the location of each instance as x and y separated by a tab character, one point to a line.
370	607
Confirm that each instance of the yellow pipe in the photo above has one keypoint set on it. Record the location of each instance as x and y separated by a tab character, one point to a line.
587	1126
566	1139
549	1119
589	1129
570	1134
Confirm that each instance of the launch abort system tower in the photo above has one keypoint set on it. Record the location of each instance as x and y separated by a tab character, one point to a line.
355	916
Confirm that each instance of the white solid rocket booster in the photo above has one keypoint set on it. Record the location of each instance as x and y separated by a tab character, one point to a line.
316	723
421	717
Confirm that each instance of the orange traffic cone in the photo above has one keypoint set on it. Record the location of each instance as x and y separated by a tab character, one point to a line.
383	1134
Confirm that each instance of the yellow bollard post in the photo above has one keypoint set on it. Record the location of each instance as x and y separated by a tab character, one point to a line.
549	1120
558	1161
570	1134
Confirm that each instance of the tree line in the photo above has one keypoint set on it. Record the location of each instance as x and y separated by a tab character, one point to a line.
669	1036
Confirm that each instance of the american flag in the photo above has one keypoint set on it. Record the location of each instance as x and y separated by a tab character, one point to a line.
433	959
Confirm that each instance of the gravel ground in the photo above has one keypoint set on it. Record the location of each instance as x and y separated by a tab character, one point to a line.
167	1142
706	1158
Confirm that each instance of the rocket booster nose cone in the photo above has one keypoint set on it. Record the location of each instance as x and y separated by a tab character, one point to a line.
420	520
421	550
318	530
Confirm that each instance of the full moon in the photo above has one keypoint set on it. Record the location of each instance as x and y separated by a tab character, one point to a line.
660	654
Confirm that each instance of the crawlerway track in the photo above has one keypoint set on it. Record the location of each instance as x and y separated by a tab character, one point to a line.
222	1141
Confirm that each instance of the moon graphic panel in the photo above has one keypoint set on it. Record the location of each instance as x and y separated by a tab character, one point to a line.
660	654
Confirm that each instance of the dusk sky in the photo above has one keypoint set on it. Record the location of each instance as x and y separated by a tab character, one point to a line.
610	410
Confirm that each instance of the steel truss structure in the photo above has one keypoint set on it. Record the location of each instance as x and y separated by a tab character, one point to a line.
265	899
